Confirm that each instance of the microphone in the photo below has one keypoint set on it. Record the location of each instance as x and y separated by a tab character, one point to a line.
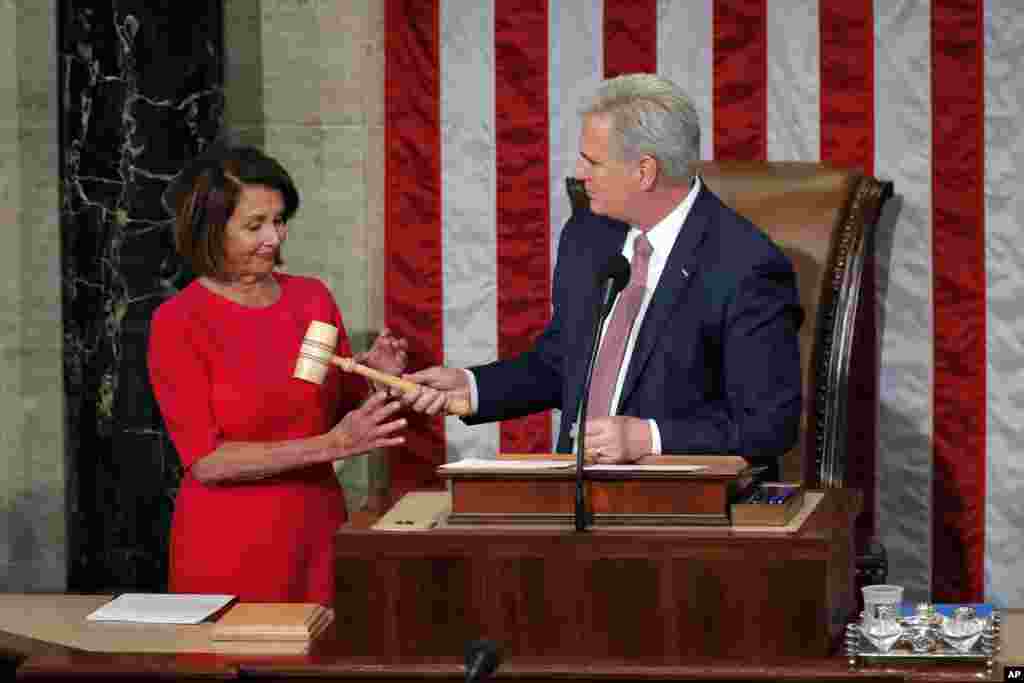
482	658
612	279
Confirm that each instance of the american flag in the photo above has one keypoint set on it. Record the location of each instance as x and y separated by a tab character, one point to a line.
481	127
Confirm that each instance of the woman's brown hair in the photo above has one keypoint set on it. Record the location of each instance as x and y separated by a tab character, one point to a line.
207	192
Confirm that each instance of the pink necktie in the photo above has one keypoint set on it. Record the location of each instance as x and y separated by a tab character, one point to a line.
613	346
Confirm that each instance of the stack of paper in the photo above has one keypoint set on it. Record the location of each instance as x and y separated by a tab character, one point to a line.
487	465
270	627
161	608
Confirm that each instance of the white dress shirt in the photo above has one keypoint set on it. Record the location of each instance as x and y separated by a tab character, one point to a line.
662	237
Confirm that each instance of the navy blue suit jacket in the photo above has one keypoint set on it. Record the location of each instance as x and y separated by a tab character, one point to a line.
717	360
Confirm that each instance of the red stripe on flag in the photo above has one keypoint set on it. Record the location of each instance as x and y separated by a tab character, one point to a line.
847	83
524	230
848	138
630	37
958	257
413	285
740	79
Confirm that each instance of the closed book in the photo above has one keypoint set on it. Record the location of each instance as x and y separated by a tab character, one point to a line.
272	621
259	648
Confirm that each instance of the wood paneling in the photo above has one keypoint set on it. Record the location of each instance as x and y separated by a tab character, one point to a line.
632	594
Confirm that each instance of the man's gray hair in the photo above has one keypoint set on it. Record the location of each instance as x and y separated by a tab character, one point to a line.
651	116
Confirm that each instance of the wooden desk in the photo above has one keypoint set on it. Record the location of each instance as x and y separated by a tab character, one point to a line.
40	643
635	594
48	636
607	623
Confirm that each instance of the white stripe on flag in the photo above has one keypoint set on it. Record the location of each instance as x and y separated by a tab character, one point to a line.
794	83
468	213
685	37
574	74
902	154
576	57
1004	217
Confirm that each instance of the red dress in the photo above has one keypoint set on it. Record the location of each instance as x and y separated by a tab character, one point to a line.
223	372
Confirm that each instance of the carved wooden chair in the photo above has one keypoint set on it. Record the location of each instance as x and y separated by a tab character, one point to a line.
823	217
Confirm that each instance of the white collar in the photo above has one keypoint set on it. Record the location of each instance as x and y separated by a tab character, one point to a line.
663	234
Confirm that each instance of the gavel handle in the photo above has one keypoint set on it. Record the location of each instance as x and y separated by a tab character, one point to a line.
454	406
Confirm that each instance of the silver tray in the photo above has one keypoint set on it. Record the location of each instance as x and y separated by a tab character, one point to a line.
860	651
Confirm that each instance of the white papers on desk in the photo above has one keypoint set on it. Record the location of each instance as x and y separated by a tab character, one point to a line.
644	468
161	608
483	465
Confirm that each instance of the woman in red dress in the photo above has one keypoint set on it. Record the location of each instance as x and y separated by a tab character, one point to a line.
259	501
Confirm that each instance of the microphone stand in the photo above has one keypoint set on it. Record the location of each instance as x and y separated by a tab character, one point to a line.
618	273
581	517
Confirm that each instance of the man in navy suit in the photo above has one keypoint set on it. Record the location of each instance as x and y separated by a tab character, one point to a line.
711	363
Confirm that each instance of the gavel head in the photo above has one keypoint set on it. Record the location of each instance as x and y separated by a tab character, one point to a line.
316	351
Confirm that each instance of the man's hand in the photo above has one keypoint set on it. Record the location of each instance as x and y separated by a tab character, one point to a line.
617	440
439	385
423	399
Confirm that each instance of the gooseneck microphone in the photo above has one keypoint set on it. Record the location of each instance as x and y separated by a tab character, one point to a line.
612	279
482	658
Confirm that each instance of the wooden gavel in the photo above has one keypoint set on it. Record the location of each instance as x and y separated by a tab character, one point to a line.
316	355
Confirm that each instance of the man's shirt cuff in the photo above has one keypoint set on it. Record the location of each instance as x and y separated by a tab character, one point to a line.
474	397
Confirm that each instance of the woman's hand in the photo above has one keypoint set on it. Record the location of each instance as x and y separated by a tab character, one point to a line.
371	425
388	354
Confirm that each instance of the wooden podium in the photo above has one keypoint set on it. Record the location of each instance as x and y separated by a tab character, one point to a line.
660	490
646	594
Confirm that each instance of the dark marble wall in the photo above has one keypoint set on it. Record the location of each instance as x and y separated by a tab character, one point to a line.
141	93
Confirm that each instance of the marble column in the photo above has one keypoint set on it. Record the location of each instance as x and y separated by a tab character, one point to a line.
141	89
305	80
33	539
